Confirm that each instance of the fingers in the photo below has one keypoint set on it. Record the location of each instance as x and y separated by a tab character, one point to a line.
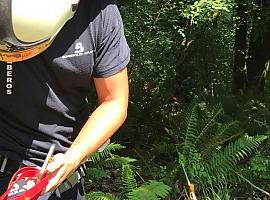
56	178
56	172
59	169
56	163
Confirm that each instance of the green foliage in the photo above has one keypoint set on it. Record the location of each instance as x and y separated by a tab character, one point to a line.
173	39
107	152
100	161
226	159
202	9
116	161
101	166
128	178
101	196
95	173
151	190
260	166
257	170
201	129
211	165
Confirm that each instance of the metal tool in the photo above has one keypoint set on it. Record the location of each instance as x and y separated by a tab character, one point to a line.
191	186
46	162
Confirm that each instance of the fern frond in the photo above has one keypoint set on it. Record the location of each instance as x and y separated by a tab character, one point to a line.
101	196
151	190
164	148
113	147
95	173
159	188
191	123
227	159
142	194
98	156
228	131
115	162
211	121
222	134
128	178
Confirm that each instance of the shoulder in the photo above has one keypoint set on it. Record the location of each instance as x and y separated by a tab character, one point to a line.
97	6
99	12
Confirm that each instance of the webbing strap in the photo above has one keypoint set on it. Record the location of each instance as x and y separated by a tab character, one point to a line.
72	180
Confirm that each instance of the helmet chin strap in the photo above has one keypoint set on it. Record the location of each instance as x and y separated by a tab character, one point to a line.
25	54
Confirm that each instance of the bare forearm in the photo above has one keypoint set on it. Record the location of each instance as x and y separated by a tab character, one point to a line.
112	93
100	126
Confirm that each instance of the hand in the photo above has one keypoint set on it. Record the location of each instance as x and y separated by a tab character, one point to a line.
59	169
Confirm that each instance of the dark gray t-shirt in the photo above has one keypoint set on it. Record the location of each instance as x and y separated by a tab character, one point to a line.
43	99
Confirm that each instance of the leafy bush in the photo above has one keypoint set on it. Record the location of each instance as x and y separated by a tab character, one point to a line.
100	165
210	149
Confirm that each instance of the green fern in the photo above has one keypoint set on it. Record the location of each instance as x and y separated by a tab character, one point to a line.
151	190
101	196
222	134
115	162
98	156
95	173
209	162
102	164
128	178
164	148
106	160
220	169
217	111
190	124
234	152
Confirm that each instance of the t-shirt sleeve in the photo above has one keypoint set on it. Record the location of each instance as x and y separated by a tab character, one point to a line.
113	53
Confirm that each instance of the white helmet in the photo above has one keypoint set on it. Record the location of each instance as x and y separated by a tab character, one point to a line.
28	27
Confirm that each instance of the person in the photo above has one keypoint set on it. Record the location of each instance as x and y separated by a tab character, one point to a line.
184	90
51	54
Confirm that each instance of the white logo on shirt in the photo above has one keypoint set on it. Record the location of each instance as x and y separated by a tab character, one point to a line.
79	48
79	51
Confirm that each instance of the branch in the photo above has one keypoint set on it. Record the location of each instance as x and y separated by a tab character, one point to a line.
256	187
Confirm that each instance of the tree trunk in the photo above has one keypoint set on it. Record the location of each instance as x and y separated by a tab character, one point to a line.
259	49
240	70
